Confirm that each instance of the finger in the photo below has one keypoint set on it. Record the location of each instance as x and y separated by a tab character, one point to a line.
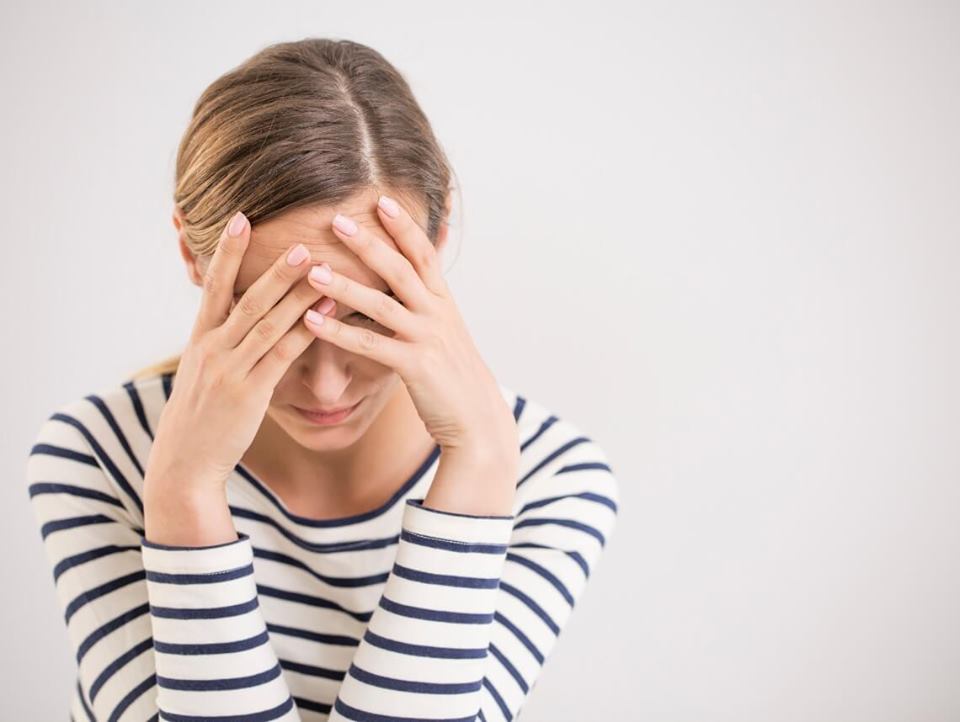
413	241
392	266
275	363
382	307
264	293
221	275
362	341
269	330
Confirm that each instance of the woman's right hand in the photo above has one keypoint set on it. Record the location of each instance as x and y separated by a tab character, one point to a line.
223	386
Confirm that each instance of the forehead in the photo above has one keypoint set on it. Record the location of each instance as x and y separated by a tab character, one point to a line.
311	226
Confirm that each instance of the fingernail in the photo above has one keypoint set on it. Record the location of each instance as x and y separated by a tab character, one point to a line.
298	255
344	224
321	274
326	305
237	224
314	317
389	206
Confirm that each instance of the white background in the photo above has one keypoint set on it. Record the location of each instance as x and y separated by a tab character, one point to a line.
721	239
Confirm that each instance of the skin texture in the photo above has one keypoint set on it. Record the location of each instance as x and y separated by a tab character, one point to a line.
243	357
445	388
325	472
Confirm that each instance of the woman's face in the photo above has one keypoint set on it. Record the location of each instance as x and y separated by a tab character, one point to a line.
324	376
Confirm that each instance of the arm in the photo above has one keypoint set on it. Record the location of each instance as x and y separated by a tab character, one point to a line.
149	625
475	601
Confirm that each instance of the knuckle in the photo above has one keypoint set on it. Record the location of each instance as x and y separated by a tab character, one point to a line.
265	329
202	357
205	345
218	381
368	339
199	352
385	307
210	282
285	349
426	257
248	306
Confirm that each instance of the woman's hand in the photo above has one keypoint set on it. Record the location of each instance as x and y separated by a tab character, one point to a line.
431	349
223	386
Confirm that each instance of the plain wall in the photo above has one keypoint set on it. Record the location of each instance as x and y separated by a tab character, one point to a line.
721	238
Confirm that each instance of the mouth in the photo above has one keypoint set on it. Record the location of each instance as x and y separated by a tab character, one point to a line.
326	418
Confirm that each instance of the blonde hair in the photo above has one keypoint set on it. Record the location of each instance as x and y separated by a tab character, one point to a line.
160	368
306	122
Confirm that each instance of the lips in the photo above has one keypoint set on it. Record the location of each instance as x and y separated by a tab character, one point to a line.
327	419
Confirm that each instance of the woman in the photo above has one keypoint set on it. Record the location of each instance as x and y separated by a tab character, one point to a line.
221	548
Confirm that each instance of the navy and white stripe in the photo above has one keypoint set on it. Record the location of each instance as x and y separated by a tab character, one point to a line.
399	612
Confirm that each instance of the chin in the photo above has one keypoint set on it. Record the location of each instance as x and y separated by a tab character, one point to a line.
325	440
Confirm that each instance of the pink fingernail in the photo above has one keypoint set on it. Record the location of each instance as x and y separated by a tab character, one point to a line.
344	225
321	273
298	255
237	224
389	206
314	317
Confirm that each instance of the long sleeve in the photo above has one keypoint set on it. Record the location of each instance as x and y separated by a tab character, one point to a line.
314	619
474	604
149	625
212	650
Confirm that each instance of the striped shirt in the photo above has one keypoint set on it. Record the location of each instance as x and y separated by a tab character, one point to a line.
403	612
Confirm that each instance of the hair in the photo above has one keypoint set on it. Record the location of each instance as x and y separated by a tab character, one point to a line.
305	122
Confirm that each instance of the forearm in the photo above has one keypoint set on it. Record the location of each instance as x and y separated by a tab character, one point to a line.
478	477
178	512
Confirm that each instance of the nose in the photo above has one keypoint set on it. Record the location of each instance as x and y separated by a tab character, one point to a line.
325	370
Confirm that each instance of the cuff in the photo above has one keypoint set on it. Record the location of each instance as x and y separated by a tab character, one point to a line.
454	526
177	559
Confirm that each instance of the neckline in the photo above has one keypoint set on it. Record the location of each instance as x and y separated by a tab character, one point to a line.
509	395
277	502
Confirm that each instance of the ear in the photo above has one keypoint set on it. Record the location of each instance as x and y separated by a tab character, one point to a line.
444	228
441	237
194	271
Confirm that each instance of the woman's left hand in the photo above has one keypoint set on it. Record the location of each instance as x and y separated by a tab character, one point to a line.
431	349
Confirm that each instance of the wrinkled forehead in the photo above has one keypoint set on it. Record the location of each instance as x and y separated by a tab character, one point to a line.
311	226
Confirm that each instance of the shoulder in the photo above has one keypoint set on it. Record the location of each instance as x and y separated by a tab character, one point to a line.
557	453
110	411
552	439
105	435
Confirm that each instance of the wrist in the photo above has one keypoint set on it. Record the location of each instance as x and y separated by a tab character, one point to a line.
497	448
489	455
478	474
185	514
493	431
